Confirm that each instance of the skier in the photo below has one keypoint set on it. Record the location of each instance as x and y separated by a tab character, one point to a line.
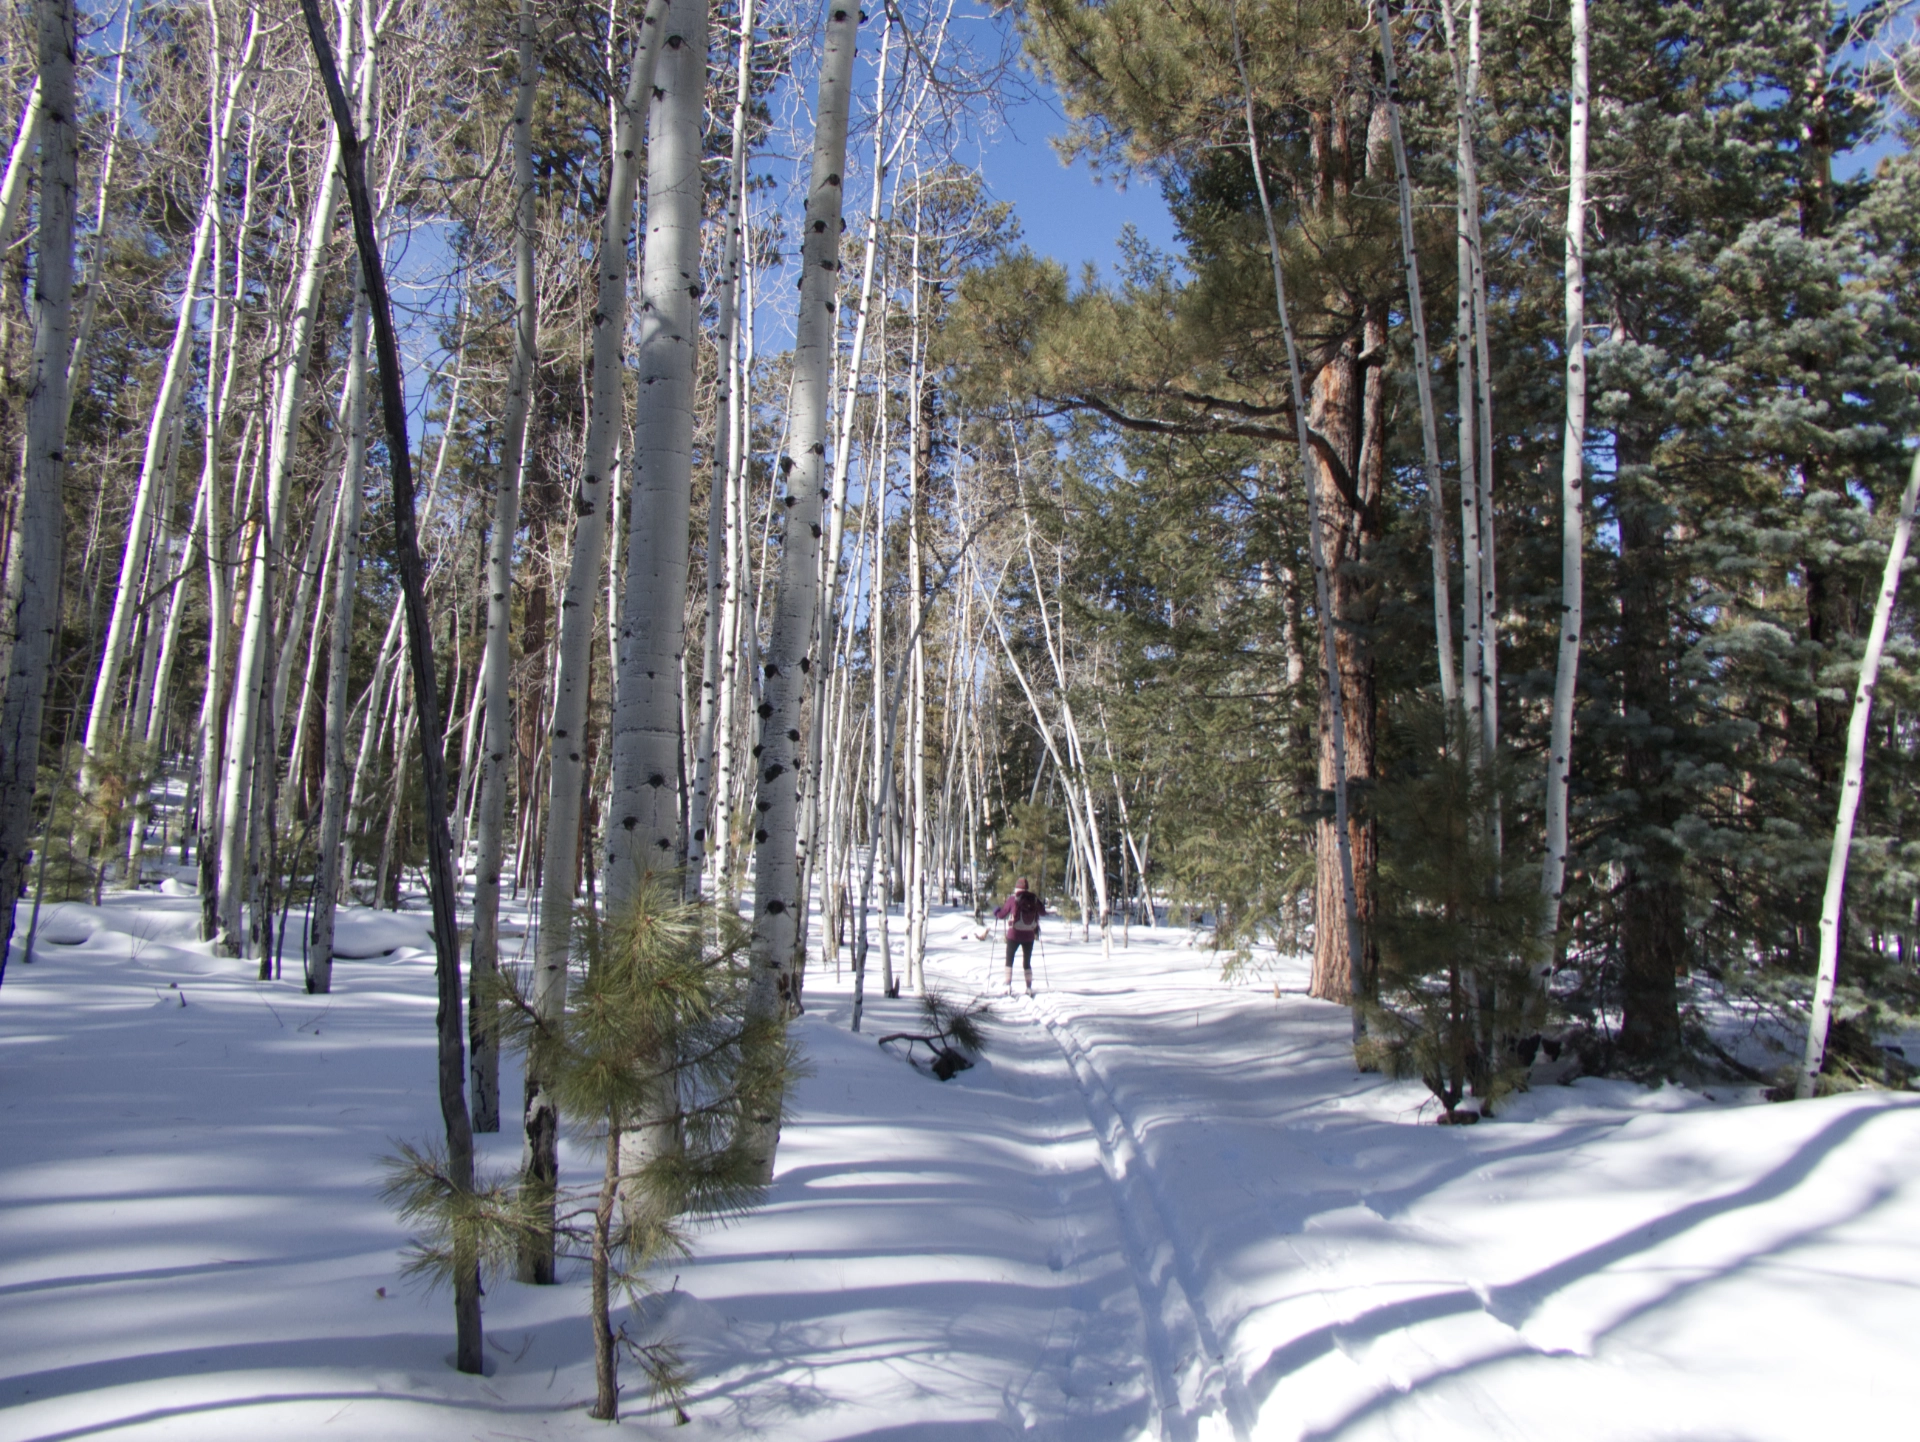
1021	911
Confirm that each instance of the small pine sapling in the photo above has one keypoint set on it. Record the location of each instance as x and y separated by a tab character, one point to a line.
657	1061
955	1034
1457	925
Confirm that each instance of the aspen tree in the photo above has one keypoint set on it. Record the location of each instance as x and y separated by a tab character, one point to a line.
13	190
644	826
32	600
496	747
252	683
1553	869
333	805
566	749
1423	373
784	681
163	425
1827	975
700	808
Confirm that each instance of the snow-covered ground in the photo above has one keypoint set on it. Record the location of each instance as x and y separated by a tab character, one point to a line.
1162	1206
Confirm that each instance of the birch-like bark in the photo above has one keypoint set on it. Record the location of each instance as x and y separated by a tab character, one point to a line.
845	394
162	429
1483	419
644	835
1343	840
1423	373
785	682
497	746
919	456
1820	1020
1553	870
32	600
333	801
567	737
1465	204
153	725
13	191
250	686
725	336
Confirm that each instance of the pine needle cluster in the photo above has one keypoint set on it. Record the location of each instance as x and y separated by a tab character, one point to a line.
955	1034
1458	924
656	1060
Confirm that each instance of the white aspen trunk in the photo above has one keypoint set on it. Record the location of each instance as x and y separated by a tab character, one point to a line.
1343	840
83	327
1074	779
1483	408
153	725
333	800
13	191
566	741
567	748
1423	372
643	834
32	600
701	809
251	684
785	682
917	657
155	591
1826	978
318	634
1553	868
1466	232
497	744
878	810
162	428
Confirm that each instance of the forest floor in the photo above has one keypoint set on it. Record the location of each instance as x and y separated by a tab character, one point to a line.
1163	1205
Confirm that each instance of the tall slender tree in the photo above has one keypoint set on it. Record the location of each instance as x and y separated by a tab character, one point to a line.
496	729
567	740
31	617
1573	447
785	683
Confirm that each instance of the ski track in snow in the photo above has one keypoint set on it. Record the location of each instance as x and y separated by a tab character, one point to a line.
1163	1206
1184	1354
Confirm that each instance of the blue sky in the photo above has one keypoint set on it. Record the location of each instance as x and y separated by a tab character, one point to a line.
1064	211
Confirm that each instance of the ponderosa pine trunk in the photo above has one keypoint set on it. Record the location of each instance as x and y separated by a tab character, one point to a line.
32	615
1333	674
785	684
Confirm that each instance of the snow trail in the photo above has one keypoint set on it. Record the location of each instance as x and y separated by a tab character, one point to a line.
1163	1206
1184	1350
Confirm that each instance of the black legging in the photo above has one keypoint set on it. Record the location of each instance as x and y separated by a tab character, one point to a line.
1020	943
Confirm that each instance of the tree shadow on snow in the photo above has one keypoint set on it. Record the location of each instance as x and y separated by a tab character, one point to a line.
1513	1303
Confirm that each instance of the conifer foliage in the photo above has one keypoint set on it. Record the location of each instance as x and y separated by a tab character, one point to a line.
657	1040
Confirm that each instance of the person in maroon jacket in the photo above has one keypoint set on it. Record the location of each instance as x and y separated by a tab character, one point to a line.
1021	912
